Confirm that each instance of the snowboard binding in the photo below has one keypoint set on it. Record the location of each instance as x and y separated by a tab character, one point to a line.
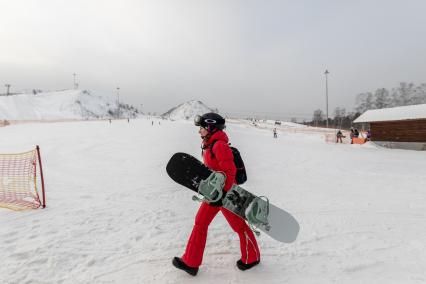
211	188
257	214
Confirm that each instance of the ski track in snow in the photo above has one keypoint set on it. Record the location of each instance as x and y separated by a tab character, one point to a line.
114	216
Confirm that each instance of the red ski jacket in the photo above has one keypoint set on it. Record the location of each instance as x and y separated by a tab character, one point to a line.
222	159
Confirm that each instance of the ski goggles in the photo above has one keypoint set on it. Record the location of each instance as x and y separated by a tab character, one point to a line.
199	121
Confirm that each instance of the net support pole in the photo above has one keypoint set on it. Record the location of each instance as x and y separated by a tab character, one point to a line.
41	176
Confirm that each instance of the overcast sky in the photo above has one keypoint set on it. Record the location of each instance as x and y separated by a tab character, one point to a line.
241	56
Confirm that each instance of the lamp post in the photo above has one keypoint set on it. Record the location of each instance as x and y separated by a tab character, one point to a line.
326	93
75	84
8	87
118	102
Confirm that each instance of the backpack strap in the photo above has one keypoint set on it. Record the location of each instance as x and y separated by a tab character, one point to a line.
211	147
203	148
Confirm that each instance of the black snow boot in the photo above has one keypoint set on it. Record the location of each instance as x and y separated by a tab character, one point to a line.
178	263
242	266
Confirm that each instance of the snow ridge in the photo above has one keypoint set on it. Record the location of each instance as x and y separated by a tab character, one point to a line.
187	110
64	104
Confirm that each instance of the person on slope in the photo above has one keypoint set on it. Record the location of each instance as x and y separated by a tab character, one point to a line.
217	155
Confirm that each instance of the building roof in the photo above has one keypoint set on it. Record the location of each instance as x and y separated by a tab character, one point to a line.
393	114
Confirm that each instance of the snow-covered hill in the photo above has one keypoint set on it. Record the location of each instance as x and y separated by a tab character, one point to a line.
65	104
187	110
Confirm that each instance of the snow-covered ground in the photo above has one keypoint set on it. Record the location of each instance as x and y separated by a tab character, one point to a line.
114	216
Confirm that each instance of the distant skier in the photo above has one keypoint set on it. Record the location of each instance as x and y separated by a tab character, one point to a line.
356	133
152	122
339	136
217	155
275	133
368	137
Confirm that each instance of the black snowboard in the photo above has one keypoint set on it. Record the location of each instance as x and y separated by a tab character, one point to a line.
189	172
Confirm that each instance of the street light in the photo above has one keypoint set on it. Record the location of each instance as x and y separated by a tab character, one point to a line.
75	85
118	102
326	92
8	87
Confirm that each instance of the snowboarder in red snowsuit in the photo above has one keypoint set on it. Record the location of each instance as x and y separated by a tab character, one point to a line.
217	158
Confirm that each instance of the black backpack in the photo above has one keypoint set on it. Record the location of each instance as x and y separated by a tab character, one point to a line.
241	175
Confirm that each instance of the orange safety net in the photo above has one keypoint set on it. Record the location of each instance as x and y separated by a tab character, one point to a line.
20	181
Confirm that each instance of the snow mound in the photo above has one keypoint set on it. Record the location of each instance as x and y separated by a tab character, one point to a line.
65	104
187	111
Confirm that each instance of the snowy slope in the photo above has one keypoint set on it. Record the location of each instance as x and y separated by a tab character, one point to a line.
66	104
187	110
114	216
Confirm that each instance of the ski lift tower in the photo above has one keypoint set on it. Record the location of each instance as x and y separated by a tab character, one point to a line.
118	102
326	93
8	87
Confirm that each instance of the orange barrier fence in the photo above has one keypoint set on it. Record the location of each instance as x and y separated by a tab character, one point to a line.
358	140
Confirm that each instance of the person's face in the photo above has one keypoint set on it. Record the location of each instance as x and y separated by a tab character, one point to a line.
203	132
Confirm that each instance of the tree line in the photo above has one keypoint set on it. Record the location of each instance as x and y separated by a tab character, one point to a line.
403	95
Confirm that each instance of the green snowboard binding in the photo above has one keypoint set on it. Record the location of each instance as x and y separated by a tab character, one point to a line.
257	214
211	189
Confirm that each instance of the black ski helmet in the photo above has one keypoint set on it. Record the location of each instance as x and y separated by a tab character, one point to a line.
210	121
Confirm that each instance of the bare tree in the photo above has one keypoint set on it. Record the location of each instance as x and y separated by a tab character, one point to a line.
339	114
382	98
364	102
318	116
419	95
403	94
360	102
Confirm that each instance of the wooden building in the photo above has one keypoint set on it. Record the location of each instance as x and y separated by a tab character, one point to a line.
398	127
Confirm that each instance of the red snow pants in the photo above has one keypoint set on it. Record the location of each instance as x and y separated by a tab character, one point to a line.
193	255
